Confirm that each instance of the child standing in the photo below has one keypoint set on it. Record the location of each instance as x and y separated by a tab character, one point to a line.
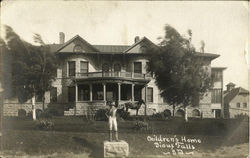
111	114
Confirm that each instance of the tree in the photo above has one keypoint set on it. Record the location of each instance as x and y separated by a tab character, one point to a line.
33	67
179	72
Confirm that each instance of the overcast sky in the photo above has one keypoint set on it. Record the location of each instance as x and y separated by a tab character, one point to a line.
222	25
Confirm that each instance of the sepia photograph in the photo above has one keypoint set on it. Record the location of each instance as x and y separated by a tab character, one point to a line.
124	79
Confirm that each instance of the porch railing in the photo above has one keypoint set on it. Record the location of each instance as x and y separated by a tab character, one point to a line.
114	74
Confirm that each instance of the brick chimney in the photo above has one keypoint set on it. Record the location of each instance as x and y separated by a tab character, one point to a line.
137	38
61	37
230	86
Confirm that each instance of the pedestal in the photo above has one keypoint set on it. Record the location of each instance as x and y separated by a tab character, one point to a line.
116	149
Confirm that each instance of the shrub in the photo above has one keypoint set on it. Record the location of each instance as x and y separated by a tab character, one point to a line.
242	117
157	117
140	125
45	125
38	113
55	109
46	114
123	114
100	115
21	113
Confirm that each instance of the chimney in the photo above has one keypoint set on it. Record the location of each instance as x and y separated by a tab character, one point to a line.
61	37
137	38
230	86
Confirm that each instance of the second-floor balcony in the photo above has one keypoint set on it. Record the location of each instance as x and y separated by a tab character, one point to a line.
119	75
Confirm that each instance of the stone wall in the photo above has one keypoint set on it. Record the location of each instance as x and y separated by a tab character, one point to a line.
204	109
11	109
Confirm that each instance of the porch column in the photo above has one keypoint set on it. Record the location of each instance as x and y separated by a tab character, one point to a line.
76	93
119	92
104	92
132	92
90	92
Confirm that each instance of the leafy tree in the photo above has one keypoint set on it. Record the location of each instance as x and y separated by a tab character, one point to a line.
33	67
179	71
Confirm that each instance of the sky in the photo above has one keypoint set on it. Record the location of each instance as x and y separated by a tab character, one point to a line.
222	25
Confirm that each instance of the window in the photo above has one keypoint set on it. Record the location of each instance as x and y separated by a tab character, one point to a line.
105	69
53	95
216	96
78	49
216	75
150	94
84	68
39	97
117	69
72	68
137	67
98	92
71	94
244	105
238	105
83	92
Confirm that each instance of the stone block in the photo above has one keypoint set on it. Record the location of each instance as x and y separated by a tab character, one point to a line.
116	149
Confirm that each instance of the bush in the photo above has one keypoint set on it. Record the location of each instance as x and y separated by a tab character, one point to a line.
140	125
45	125
100	115
46	114
38	113
123	114
55	109
242	117
157	117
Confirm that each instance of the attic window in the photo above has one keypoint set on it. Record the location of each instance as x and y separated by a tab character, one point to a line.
78	48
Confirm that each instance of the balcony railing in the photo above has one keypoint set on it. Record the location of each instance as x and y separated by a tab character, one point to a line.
131	75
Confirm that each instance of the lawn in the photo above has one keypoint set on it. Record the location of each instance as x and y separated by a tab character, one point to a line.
76	137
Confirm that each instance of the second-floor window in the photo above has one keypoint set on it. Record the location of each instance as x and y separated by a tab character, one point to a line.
84	68
216	96
137	67
117	69
238	105
105	69
216	75
72	68
244	105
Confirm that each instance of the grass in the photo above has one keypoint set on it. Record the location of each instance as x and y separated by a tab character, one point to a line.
76	136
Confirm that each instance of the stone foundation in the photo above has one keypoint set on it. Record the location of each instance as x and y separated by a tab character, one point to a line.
116	149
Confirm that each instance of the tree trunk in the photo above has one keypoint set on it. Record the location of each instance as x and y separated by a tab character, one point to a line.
1	118
33	107
186	114
145	112
43	101
173	110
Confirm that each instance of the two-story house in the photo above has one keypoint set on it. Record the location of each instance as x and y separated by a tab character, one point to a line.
89	75
236	101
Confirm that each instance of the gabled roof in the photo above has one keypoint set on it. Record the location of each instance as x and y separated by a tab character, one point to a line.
116	49
81	39
233	93
144	39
